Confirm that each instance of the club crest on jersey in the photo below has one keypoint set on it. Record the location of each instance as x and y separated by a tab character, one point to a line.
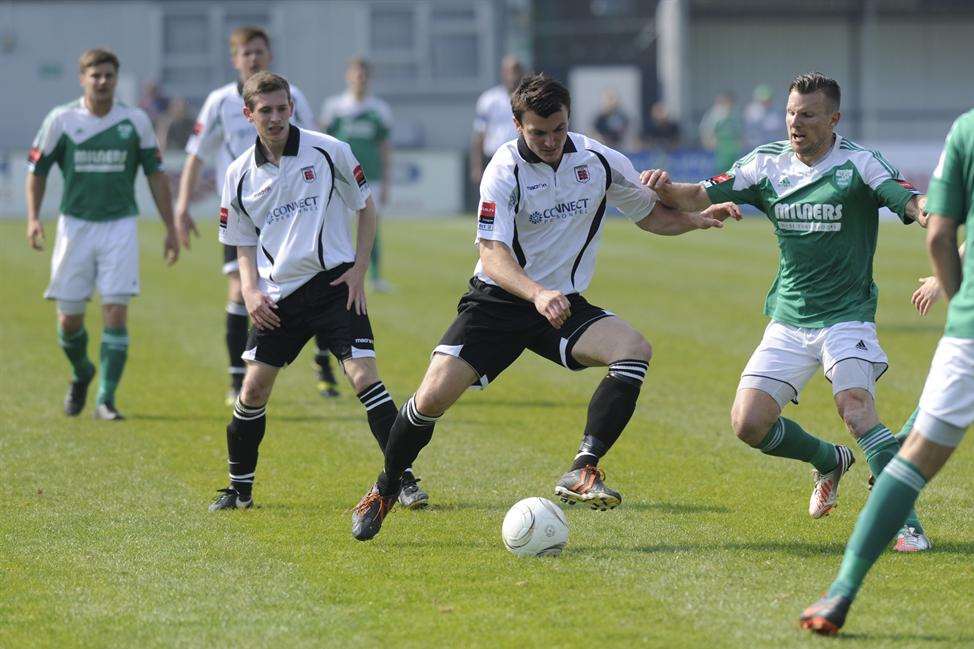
359	175
843	178
125	131
224	214
308	173
581	173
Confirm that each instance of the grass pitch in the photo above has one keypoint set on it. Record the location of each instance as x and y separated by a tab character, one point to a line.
105	539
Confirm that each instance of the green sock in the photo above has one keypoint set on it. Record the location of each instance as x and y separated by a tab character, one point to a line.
907	427
880	447
787	439
114	351
893	495
75	346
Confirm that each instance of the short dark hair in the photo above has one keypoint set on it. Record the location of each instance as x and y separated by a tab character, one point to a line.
243	35
810	82
540	94
264	82
96	56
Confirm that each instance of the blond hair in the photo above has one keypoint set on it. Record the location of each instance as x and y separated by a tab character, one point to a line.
263	83
243	35
96	56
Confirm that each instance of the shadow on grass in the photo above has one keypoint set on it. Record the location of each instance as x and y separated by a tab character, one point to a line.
675	508
910	638
224	419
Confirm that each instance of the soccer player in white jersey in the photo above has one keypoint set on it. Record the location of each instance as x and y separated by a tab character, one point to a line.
947	402
542	204
99	144
220	135
492	125
822	193
285	206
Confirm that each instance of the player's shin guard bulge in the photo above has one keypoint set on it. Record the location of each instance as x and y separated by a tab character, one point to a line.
410	432
380	410
244	434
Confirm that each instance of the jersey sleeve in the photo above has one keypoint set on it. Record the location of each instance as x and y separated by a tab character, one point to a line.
48	145
947	195
303	115
236	226
625	192
889	186
499	201
208	129
739	184
149	155
350	181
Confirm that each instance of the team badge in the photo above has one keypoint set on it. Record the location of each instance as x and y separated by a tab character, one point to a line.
124	131
486	216
309	174
843	178
223	217
581	173
359	175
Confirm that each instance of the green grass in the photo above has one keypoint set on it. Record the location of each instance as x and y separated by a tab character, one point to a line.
105	539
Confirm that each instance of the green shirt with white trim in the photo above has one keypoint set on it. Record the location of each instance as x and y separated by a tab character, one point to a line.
826	219
98	157
951	188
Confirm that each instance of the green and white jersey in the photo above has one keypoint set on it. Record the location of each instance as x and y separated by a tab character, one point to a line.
825	217
364	125
98	157
951	191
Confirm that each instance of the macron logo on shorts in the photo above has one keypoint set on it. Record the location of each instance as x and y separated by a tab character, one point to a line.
359	175
223	217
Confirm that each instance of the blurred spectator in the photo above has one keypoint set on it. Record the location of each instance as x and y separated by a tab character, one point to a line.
763	123
153	101
721	131
611	123
174	127
660	131
494	122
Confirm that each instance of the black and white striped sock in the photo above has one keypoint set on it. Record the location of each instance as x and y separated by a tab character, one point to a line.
632	371
610	410
410	432
244	434
380	410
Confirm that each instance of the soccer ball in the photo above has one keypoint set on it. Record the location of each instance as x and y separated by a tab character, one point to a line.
535	527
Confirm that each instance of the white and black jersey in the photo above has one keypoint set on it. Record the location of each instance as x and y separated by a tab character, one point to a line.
552	219
222	133
494	119
295	214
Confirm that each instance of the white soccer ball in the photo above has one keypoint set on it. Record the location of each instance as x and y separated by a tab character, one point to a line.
535	527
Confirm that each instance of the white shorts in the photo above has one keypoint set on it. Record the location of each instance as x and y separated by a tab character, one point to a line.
947	402
848	352
90	254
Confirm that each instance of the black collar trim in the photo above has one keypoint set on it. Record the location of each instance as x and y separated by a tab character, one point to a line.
290	147
529	156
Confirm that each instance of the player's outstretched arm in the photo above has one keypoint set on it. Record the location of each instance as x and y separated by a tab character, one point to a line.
260	307
187	181
669	222
500	265
162	195
942	245
36	185
682	196
355	276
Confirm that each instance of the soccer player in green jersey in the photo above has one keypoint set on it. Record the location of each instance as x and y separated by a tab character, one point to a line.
822	194
99	145
947	403
363	121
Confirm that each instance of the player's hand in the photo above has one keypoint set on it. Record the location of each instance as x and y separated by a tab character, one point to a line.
35	234
922	216
553	306
927	295
171	247
658	180
185	225
354	277
715	215
261	309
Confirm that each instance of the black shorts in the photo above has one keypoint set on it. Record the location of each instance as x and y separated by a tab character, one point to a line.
314	308
493	327
230	264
